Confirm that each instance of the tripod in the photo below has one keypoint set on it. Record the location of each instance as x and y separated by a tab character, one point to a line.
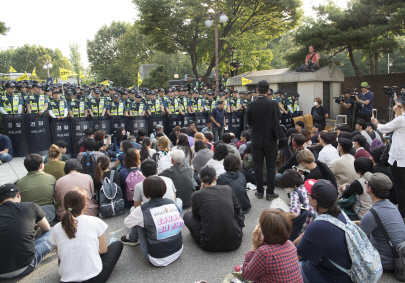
391	108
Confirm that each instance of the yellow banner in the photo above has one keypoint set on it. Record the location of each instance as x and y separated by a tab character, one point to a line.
139	79
245	81
12	70
105	83
81	75
54	81
23	77
64	72
34	74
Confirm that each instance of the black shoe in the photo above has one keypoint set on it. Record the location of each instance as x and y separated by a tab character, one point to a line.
125	241
271	196
259	195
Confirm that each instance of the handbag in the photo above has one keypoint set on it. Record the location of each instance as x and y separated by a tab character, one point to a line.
398	251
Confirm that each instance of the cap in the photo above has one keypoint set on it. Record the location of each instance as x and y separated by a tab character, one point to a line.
8	187
116	95
346	144
378	181
36	85
235	91
29	86
221	94
308	184
93	83
199	76
105	90
161	90
69	93
97	91
55	91
138	95
296	94
254	91
9	84
324	192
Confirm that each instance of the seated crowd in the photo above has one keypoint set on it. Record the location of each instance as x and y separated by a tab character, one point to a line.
332	176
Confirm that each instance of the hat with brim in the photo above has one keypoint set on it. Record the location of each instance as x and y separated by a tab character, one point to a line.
401	99
378	181
364	84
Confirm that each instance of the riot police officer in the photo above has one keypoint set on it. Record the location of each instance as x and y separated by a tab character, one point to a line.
294	105
78	107
155	107
138	107
248	99
10	102
199	85
97	105
162	97
284	102
196	104
225	80
172	105
117	107
58	108
235	103
210	103
183	103
131	98
37	103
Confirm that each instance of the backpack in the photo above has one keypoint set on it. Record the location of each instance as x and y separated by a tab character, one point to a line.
89	163
164	161
398	251
110	198
133	178
366	261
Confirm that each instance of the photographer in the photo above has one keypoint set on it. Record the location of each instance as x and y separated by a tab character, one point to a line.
366	100
349	108
311	61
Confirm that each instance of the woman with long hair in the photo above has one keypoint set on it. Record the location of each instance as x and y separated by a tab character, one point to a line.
184	145
119	136
119	163
131	162
80	243
99	137
54	166
103	171
163	157
146	150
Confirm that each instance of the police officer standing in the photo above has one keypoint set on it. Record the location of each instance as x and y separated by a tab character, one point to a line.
10	102
138	107
233	61
210	103
235	103
199	85
196	104
58	108
78	107
172	105
97	105
294	105
37	103
162	97
154	105
117	107
183	102
225	80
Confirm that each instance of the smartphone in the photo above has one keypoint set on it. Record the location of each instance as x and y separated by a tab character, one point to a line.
295	168
375	113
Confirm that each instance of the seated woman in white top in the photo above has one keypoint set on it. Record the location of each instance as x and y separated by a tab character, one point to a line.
80	243
156	225
217	161
146	150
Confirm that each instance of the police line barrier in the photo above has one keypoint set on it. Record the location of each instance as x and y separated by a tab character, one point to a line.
188	118
38	134
14	127
287	121
78	127
157	120
201	120
116	122
62	130
137	123
175	120
237	124
102	123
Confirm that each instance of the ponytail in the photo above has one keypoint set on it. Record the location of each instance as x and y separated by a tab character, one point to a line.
144	153
74	202
103	162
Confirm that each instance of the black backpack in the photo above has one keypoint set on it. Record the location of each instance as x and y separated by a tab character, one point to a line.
110	198
88	164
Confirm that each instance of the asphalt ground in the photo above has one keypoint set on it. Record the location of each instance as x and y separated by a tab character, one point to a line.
193	265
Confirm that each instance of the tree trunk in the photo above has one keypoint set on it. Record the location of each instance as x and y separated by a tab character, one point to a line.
356	69
371	65
376	64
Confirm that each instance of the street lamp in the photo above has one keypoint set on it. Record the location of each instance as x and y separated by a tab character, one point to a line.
223	18
47	66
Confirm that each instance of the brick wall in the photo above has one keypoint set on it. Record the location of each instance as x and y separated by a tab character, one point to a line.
377	82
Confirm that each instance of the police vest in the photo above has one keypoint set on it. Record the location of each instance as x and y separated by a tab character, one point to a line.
78	108
138	109
196	104
11	107
236	103
117	111
173	106
36	106
225	82
183	103
154	107
293	104
233	58
210	105
58	109
97	108
199	85
284	103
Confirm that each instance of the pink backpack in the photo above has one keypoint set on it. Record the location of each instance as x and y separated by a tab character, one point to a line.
134	177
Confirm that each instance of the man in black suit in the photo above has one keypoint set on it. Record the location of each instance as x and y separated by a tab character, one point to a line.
262	116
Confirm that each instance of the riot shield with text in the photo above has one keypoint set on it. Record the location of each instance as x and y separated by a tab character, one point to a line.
102	123
157	120
137	123
188	118
228	121
61	130
78	127
14	127
201	120
175	120
38	134
117	122
237	124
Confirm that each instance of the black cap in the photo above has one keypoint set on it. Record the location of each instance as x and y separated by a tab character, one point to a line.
138	95
235	91
9	84
93	83
161	90
55	91
8	187
116	95
37	85
254	91
221	94
97	91
324	192
199	76
105	90
296	94
346	144
69	93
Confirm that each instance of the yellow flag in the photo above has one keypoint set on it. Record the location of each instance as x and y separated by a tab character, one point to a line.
54	81
139	79
23	77
105	83
245	81
33	73
12	70
81	75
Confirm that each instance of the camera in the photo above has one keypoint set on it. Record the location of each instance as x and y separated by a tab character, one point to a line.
391	91
339	99
309	63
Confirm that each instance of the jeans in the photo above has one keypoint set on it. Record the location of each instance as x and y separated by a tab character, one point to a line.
138	233
217	132
5	157
304	277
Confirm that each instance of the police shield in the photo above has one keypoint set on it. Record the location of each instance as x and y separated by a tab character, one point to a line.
175	120
201	120
102	123
137	123
38	133
157	120
228	121
287	121
14	127
78	127
115	123
237	124
61	130
188	118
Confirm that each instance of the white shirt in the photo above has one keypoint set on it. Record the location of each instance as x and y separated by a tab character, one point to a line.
328	154
367	136
397	151
218	165
170	191
79	257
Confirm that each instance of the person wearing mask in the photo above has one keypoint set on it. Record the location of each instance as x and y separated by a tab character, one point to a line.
6	149
37	187
216	219
361	127
54	166
22	248
343	167
80	243
159	246
359	142
328	152
366	99
319	113
236	180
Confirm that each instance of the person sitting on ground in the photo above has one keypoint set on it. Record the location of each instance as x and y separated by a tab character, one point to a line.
378	187
184	130
163	157
119	163
173	135
248	166
340	129
202	155
371	131
119	136
359	187
192	129
80	243
55	167
197	136
37	187
136	145
141	136
208	128
316	130
236	180
343	167
275	227
298	142
6	149
183	145
291	181
103	171
317	169
322	241
63	147
22	248
244	141
208	139
382	167
88	133
181	175
361	127
131	164
89	146
216	219
154	136
99	137
359	142
146	150
232	150
159	246
72	179
299	125
328	152
307	136
217	160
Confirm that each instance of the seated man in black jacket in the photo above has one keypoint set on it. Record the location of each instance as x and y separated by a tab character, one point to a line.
298	142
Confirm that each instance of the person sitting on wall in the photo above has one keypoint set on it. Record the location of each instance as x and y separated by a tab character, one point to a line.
311	61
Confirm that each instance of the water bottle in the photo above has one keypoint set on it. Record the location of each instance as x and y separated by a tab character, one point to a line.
112	238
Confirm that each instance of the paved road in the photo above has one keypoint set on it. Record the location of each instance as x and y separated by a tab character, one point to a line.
194	264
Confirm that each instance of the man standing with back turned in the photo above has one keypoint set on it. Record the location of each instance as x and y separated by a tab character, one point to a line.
262	116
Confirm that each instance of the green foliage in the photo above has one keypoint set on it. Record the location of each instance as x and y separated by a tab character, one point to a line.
75	58
158	76
3	28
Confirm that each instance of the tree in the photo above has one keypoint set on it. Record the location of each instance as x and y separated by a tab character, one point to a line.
158	76
75	58
3	28
178	26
